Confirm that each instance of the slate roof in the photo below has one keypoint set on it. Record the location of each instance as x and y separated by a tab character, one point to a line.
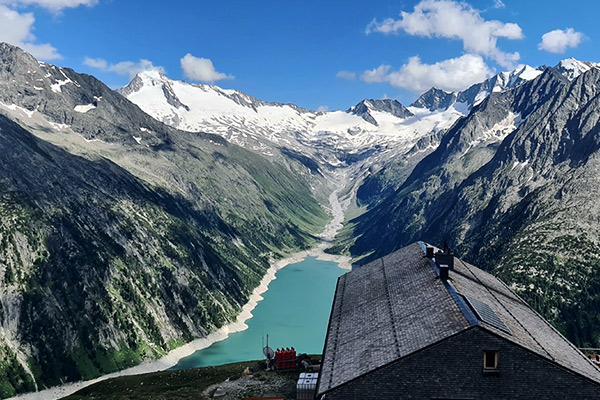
397	305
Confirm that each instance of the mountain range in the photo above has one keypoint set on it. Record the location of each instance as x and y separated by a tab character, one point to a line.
136	220
513	186
122	237
454	180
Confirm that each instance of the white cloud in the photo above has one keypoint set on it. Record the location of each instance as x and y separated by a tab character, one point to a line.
458	21
97	63
378	74
132	68
557	41
52	5
201	69
346	75
16	29
323	108
499	4
126	68
450	75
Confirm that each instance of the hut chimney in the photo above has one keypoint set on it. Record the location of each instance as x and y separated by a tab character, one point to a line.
446	257
444	272
429	252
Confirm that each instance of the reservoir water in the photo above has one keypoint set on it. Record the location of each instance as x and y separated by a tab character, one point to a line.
294	313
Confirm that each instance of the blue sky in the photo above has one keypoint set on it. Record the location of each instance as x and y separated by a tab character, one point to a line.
328	54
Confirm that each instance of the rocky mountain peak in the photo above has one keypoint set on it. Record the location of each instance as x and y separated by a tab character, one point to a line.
18	65
150	77
153	78
572	68
10	54
511	79
390	106
437	99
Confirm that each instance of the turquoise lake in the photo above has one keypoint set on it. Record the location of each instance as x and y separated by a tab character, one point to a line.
294	312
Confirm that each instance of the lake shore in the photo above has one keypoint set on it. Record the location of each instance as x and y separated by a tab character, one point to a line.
173	357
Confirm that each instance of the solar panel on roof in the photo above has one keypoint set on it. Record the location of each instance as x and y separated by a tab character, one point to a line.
485	313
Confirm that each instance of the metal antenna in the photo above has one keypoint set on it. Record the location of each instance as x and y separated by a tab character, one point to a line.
267	351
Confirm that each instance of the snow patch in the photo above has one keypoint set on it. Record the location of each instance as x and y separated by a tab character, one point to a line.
14	107
480	97
519	164
499	131
92	140
84	108
462	108
59	127
528	73
138	139
56	87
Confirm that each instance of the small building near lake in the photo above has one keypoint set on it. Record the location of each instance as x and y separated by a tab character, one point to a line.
402	327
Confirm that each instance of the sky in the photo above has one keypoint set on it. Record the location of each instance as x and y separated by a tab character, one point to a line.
318	54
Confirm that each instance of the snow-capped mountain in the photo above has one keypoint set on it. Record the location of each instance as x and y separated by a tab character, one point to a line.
261	126
571	68
368	135
436	99
372	135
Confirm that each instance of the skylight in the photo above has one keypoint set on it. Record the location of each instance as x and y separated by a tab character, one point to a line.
485	313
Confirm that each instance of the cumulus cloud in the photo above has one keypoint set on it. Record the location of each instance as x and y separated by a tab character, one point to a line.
346	75
16	29
450	75
557	41
98	63
379	74
126	68
457	21
52	5
201	69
